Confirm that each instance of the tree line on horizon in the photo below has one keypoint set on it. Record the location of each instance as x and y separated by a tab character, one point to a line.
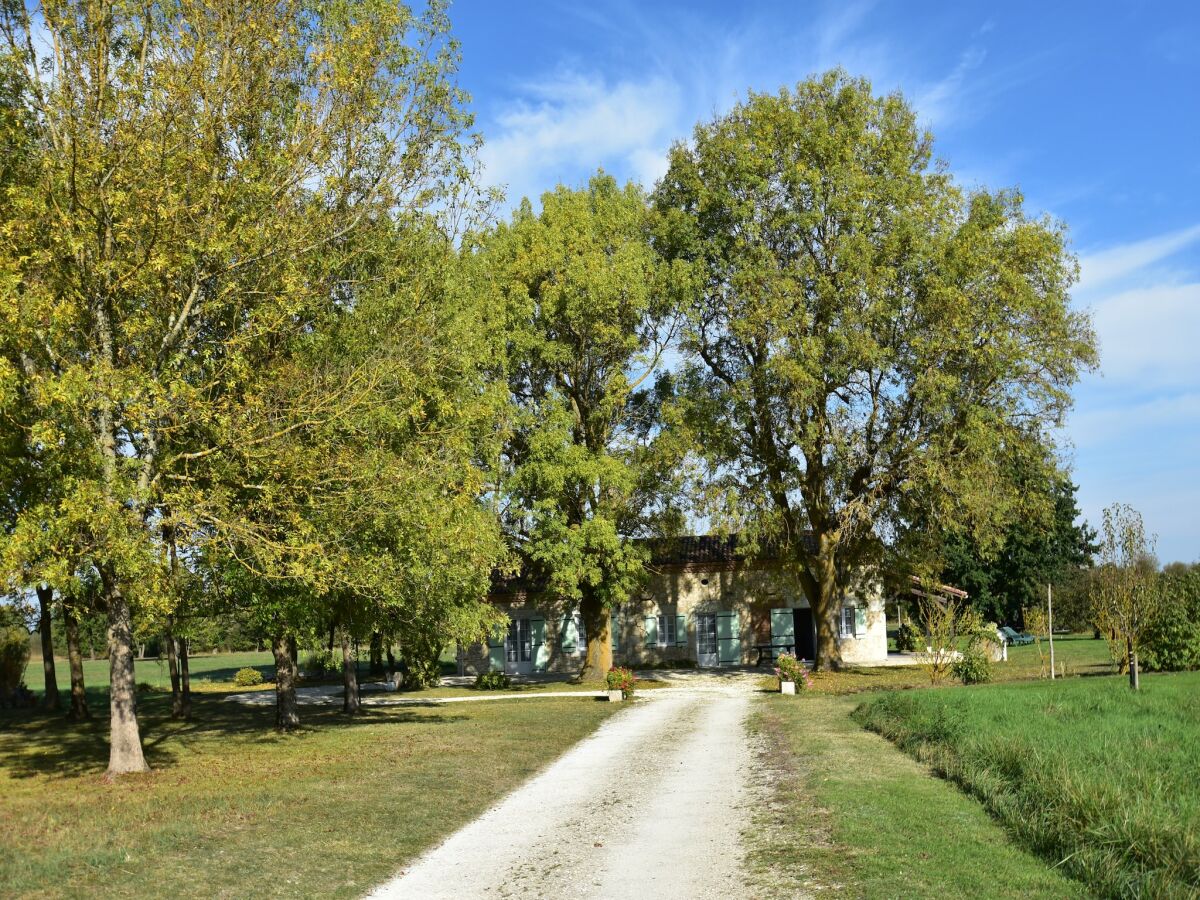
266	352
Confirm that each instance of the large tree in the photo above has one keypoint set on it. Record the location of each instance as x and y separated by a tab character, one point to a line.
865	341
191	162
588	303
1045	543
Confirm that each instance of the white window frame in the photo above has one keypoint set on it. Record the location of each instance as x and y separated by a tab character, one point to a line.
666	622
846	619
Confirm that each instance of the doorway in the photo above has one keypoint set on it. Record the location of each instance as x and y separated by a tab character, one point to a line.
706	640
802	628
518	648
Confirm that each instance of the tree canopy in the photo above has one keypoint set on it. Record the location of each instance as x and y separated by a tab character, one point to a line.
865	341
588	303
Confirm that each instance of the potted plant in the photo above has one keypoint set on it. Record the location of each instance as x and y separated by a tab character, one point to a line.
621	682
791	673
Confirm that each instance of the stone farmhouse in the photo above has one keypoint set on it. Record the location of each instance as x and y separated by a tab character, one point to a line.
705	604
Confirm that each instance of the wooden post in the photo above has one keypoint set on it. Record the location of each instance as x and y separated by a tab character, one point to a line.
1050	625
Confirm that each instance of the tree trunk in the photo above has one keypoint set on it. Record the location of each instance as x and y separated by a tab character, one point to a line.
286	717
173	667
1134	681
185	680
824	596
376	653
125	742
598	659
350	704
79	707
52	702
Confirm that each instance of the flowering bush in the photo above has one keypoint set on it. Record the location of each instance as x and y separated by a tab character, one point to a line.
788	668
621	679
492	681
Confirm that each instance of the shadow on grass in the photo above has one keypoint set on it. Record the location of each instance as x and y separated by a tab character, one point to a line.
34	744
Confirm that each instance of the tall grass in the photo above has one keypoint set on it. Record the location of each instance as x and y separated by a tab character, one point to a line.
1103	781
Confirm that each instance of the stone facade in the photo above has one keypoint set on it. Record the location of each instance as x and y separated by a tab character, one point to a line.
709	613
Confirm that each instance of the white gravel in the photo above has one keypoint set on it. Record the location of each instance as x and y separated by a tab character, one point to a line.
651	805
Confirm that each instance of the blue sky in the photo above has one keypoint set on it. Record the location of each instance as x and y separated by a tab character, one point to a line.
1093	110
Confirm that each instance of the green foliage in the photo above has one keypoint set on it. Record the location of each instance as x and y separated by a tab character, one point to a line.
789	668
973	666
247	677
1172	642
494	680
908	637
320	663
621	679
14	656
1040	545
865	341
1098	780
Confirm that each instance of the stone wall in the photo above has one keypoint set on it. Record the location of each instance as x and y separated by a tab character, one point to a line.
750	591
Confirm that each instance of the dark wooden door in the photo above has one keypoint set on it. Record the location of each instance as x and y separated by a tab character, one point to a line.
806	639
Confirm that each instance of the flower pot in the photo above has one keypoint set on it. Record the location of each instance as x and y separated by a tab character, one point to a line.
787	687
615	696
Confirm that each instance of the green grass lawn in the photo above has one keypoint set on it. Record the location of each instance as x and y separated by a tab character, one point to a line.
234	809
1079	653
1103	782
852	815
213	671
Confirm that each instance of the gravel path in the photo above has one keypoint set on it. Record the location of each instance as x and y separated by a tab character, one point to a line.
651	805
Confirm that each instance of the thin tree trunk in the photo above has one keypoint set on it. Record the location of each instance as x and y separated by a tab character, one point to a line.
79	707
286	717
350	704
52	702
598	658
173	667
376	653
185	680
1134	681
125	742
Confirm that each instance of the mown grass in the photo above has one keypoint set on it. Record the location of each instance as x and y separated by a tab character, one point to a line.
1078	654
850	814
233	809
207	672
1101	781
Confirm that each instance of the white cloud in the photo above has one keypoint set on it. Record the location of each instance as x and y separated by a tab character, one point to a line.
1151	335
1117	263
572	121
939	102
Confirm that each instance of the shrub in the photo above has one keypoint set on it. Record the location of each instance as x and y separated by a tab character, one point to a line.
1172	644
973	666
320	662
492	681
247	677
14	656
788	668
908	637
621	679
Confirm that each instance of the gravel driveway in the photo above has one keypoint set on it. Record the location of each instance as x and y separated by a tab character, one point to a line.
651	805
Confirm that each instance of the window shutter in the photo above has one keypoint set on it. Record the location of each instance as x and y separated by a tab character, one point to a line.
541	653
614	631
729	644
651	630
580	634
860	621
681	631
567	634
783	628
496	651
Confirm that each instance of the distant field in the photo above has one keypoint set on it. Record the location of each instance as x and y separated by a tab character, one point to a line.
207	671
1097	779
1079	653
